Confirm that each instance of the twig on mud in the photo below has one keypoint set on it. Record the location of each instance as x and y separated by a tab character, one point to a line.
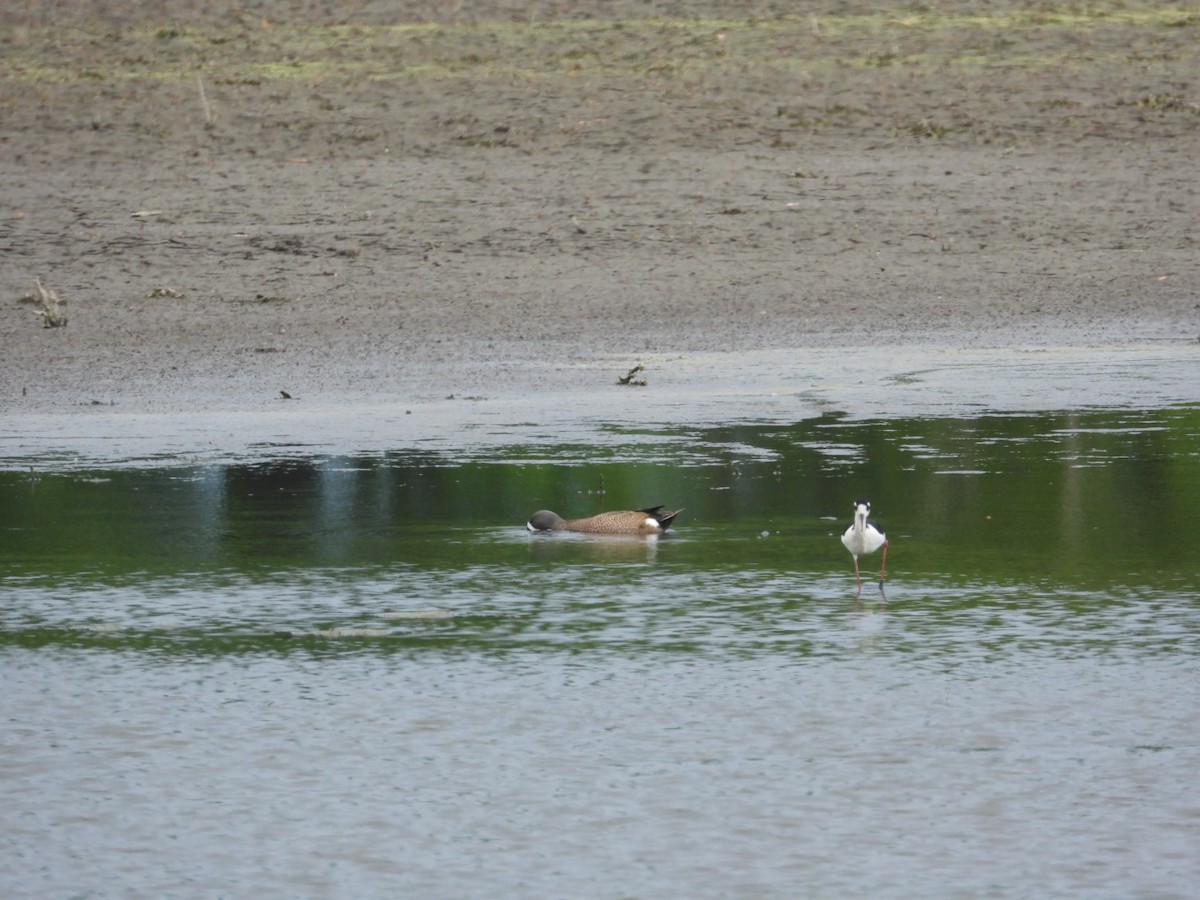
208	111
631	378
54	308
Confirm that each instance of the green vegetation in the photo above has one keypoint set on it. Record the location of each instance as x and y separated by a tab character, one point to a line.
250	54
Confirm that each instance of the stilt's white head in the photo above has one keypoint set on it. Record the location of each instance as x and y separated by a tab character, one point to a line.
862	509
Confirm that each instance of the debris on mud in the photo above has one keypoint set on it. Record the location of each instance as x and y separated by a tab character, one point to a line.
631	378
54	308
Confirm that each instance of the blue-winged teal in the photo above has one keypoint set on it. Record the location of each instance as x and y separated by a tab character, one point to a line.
862	537
626	521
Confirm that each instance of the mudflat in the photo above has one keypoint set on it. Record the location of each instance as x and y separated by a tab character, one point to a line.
376	203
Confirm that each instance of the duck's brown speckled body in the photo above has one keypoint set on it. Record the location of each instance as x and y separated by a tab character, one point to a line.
651	520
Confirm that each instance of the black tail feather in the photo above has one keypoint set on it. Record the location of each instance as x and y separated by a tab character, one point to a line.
663	519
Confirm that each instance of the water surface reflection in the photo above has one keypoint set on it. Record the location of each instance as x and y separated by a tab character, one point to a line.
363	677
1081	499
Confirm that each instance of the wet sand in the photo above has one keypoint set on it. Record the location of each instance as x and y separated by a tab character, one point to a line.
514	210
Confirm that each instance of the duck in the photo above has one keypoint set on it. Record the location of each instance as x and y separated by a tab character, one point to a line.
863	538
651	520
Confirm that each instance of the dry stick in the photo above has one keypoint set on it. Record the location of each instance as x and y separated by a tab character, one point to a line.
54	312
208	113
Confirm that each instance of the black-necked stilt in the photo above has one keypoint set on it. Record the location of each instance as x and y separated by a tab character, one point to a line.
862	537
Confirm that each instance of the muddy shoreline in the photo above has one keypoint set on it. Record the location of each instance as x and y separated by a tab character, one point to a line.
699	393
236	207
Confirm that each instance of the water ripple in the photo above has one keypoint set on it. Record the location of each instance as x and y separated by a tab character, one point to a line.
599	609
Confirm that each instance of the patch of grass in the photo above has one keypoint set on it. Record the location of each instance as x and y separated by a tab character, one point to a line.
926	128
825	117
617	49
880	60
1058	103
1163	102
487	143
355	138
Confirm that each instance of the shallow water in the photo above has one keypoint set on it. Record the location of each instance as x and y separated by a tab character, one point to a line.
361	675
